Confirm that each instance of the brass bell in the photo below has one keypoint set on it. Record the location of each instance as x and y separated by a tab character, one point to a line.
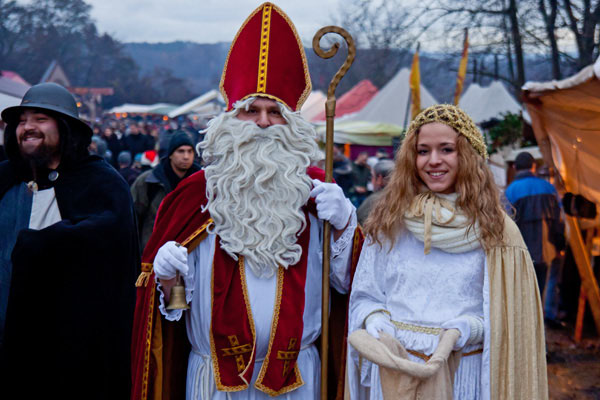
177	299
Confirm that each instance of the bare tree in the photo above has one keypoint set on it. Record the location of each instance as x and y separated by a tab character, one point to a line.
584	22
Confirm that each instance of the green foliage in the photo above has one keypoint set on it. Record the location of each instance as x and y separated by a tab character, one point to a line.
508	131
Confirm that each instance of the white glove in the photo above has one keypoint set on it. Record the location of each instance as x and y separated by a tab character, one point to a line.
170	258
379	322
470	327
332	205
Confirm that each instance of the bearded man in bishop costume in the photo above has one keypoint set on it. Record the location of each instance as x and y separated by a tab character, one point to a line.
246	235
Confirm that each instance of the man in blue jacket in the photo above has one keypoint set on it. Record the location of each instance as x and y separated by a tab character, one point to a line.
538	216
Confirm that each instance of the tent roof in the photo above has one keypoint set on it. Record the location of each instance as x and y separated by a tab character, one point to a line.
196	103
390	105
158	108
362	132
13	88
353	100
485	103
565	117
313	105
14	76
7	100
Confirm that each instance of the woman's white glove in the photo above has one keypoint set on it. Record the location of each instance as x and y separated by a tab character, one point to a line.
332	205
379	322
470	327
170	258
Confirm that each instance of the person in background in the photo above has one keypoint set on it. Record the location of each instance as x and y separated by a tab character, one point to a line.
379	180
539	217
342	169
125	169
114	144
136	142
361	175
151	187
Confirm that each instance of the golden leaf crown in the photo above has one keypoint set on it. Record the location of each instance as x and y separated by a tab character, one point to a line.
455	118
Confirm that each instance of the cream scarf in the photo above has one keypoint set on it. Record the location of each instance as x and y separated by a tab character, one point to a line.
435	220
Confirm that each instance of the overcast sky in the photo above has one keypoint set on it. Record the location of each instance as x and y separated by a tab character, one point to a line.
203	21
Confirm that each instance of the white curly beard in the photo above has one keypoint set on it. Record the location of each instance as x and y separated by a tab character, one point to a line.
256	184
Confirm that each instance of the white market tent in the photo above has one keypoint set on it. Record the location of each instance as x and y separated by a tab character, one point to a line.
158	108
7	100
11	92
314	105
197	105
362	133
390	104
485	103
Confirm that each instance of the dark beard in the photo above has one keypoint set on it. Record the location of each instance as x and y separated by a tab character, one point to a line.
41	157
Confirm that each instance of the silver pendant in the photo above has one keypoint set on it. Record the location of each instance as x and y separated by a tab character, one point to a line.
52	176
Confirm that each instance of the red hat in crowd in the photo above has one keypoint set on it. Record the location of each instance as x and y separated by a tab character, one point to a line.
266	59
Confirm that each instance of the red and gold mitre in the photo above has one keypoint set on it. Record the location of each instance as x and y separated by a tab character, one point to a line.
266	59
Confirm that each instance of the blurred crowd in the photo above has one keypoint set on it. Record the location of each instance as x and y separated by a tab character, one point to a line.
136	144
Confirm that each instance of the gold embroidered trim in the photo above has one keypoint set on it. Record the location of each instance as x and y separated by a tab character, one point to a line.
198	236
308	84
222	83
268	96
213	351
355	243
426	358
382	310
146	370
263	55
417	328
307	80
258	384
249	312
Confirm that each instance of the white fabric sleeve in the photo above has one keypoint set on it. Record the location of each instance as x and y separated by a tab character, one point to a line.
470	327
341	256
366	298
188	281
368	289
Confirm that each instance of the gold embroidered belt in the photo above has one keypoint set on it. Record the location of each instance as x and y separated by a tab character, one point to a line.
429	331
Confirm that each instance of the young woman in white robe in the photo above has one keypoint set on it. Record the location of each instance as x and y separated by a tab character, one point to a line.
440	254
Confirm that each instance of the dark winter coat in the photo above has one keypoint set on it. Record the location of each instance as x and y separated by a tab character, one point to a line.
72	291
149	190
538	215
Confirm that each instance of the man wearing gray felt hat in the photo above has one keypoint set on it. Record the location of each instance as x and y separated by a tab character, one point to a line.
68	257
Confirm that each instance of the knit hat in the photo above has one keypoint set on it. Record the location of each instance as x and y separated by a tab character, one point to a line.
179	139
124	157
456	119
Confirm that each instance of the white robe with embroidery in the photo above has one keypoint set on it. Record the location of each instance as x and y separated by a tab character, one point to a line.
425	290
261	291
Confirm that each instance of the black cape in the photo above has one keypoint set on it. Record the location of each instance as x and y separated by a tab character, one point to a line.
72	295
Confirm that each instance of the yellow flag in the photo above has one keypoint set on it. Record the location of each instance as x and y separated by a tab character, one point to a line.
415	87
462	69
